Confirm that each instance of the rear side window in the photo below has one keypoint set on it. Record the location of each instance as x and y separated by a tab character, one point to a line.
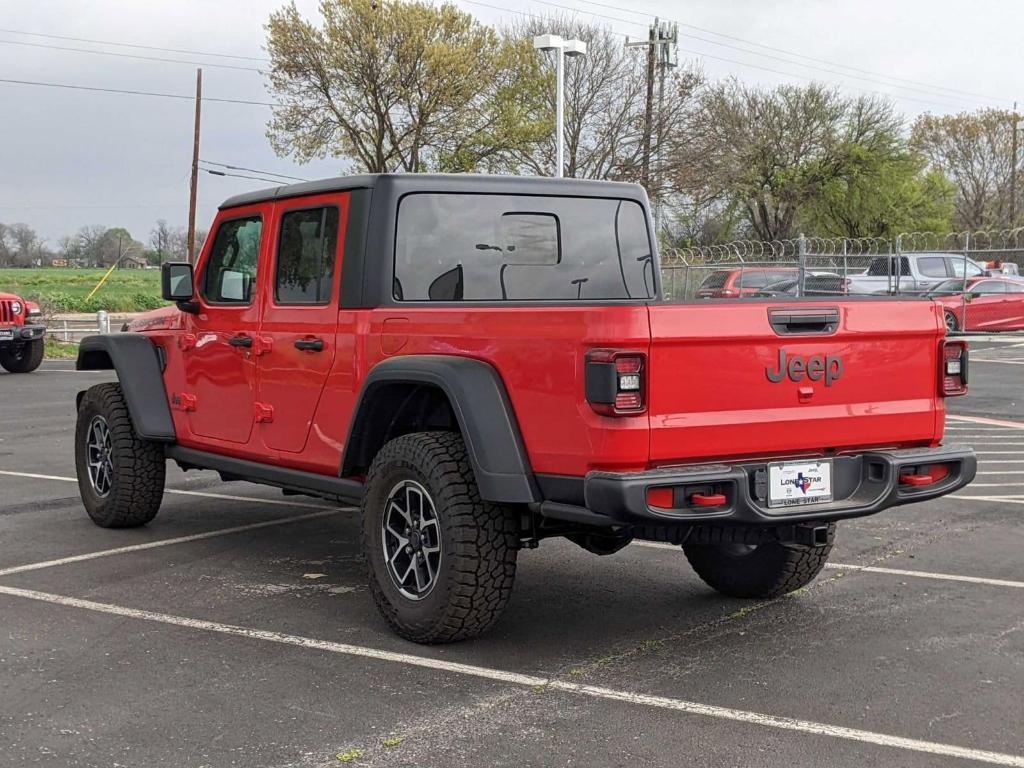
989	286
932	266
230	273
887	266
306	254
464	247
973	270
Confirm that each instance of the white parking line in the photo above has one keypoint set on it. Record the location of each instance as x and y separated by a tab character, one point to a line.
878	569
993	360
1017	499
991	438
986	421
179	492
167	542
997	485
533	681
1005	472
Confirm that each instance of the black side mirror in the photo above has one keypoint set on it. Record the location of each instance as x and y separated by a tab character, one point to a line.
176	284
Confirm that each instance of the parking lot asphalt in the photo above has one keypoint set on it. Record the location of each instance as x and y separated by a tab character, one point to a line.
236	630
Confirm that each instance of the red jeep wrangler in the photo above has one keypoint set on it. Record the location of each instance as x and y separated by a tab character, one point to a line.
485	362
21	334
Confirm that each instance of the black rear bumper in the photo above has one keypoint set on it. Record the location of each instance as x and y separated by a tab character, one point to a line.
863	484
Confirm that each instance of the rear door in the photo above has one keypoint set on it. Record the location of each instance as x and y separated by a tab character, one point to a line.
754	379
1013	316
300	315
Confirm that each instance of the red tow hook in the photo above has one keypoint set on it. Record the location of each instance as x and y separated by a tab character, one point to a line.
708	499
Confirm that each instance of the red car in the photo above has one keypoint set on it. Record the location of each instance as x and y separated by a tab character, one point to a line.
485	362
21	334
734	283
990	304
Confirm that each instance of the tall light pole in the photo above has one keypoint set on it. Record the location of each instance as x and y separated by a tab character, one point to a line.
562	48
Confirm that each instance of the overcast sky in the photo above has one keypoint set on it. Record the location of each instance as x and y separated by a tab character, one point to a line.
72	158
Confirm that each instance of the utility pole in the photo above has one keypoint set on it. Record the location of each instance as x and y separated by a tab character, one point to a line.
1013	169
661	42
195	171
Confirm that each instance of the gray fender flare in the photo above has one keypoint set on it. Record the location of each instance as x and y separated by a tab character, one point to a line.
139	371
484	413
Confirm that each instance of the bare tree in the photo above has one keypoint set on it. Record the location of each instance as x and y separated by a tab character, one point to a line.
604	99
974	150
160	240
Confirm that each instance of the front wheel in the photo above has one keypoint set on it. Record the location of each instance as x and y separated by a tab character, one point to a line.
120	475
441	560
22	358
763	571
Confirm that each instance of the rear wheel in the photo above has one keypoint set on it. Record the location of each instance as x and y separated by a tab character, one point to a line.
952	324
764	571
22	358
441	560
120	475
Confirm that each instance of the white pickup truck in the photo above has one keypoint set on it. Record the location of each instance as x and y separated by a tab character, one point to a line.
912	272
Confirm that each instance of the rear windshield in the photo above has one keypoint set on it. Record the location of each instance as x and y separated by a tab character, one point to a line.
466	247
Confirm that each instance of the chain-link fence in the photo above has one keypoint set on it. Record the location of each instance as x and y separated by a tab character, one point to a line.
951	268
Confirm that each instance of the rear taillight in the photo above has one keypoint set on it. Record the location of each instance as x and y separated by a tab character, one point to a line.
953	373
615	382
727	293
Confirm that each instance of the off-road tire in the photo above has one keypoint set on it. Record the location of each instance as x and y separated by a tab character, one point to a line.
479	541
22	358
138	466
952	324
762	571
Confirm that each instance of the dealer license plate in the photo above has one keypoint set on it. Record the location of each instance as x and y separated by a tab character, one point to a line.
795	483
6	334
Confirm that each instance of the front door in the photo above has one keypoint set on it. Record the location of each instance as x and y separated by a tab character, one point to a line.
300	317
218	352
985	305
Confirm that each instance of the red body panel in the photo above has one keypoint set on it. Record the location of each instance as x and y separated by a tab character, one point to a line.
708	393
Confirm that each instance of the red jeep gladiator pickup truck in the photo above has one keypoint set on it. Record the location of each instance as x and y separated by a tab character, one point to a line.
483	362
21	334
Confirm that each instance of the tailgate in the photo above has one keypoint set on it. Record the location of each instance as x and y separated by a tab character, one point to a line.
742	379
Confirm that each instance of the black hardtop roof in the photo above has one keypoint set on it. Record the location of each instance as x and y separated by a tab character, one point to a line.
402	183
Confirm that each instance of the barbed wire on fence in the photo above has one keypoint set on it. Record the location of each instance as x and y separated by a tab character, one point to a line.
766	252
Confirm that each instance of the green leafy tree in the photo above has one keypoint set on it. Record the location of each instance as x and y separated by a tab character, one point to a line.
881	190
975	151
781	154
392	85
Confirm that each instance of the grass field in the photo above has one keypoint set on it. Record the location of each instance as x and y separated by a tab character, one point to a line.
65	290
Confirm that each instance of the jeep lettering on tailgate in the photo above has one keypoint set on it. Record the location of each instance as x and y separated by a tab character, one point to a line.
815	367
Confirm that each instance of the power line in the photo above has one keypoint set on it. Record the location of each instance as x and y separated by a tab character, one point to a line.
758	53
240	176
252	170
136	93
772	48
127	55
749	65
133	45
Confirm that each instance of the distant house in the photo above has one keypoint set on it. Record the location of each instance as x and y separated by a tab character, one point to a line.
133	262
